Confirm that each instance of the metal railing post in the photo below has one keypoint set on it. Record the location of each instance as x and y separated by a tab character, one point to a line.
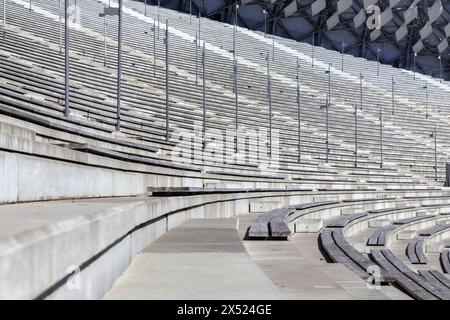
119	67
204	95
166	41
269	96
298	113
381	137
66	58
356	133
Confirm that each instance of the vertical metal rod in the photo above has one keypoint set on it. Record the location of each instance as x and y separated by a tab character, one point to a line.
329	83
378	62
190	11
199	27
269	96
356	134
236	99
4	19
104	42
393	94
415	55
381	137
145	8
234	33
440	69
426	100
159	3
66	58
312	49
298	113
167	79
265	23
60	26
30	6
273	40
435	153
204	95
154	48
196	58
119	67
342	55
75	10
327	106
361	90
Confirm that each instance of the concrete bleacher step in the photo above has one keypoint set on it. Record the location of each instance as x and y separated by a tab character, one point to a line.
308	225
379	223
263	206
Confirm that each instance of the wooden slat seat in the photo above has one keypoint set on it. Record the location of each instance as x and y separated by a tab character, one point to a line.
444	258
411	282
415	251
342	221
340	251
385	210
380	236
271	224
437	278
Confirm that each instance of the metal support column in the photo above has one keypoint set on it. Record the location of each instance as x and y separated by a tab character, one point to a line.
119	67
4	19
393	95
435	153
236	102
166	41
66	58
361	90
298	113
154	48
199	28
60	26
269	96
381	137
204	95
105	48
159	4
426	100
378	60
440	68
356	133
329	83
196	58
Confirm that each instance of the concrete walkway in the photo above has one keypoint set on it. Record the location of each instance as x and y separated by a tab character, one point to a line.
207	259
299	271
201	259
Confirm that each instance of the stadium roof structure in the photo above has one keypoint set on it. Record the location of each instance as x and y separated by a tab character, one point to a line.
396	32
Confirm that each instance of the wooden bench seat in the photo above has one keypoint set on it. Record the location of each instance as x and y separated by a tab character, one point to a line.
342	221
191	191
385	210
339	250
271	225
444	258
437	278
380	236
415	285
415	251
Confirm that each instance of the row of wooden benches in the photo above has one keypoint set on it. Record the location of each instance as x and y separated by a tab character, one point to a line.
416	247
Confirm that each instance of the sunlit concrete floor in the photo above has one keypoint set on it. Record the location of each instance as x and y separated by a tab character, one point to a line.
209	259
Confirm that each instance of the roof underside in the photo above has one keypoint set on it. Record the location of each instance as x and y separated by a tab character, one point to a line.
296	20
